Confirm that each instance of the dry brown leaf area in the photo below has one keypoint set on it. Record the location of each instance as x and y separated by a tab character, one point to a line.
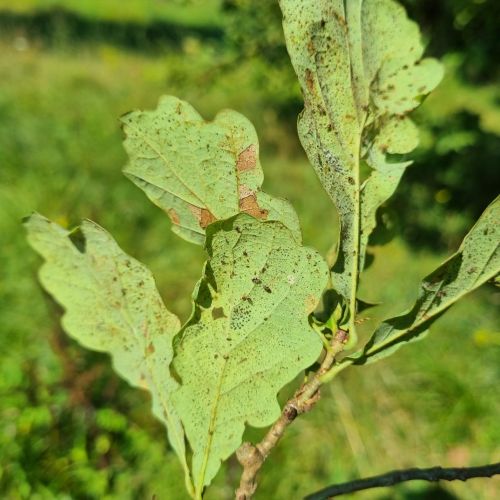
247	159
250	206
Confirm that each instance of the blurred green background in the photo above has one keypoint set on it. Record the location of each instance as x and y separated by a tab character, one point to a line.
69	428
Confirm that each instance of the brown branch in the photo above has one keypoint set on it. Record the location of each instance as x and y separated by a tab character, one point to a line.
252	457
399	476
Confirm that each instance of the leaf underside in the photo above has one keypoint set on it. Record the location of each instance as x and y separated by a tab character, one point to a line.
112	305
476	261
360	67
197	171
248	337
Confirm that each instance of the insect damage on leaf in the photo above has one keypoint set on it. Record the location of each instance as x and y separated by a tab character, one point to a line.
250	337
197	171
361	71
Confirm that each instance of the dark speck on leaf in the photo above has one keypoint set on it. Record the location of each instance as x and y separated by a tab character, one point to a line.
309	80
218	312
267	289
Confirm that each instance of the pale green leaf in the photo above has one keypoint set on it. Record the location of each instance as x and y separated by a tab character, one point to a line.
360	69
398	135
476	261
248	337
112	305
198	171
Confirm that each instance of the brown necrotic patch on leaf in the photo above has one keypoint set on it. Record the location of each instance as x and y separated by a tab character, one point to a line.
206	218
196	211
250	206
202	215
309	80
247	159
174	216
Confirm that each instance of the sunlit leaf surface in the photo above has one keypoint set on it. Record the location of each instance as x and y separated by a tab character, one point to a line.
197	171
112	305
249	335
360	67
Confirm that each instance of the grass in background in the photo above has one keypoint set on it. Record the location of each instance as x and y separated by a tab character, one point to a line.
70	428
191	13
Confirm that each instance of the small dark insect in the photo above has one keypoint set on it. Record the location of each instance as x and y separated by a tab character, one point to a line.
267	289
247	298
256	280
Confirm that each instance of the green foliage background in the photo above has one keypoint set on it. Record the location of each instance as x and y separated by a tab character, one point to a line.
69	428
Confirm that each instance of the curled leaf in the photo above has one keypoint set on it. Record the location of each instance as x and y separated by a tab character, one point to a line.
197	171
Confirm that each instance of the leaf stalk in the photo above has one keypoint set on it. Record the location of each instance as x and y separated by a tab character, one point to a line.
252	457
